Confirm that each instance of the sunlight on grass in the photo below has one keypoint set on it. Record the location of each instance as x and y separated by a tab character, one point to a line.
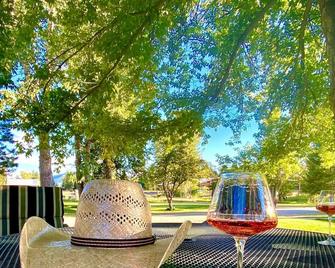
70	207
281	205
317	224
313	225
180	206
159	206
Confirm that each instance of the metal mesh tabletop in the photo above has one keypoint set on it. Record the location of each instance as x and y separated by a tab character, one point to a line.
277	248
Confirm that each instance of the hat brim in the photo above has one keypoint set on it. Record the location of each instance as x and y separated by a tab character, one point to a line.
42	245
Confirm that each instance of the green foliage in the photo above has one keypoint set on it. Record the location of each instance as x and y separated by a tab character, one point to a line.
17	31
234	61
85	69
317	177
176	162
69	181
96	164
287	158
237	60
120	74
7	150
280	170
188	189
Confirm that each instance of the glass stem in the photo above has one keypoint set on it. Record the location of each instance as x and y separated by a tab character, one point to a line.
330	225
240	242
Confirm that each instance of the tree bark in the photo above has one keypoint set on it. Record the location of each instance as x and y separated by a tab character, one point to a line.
45	160
78	163
88	174
169	199
327	10
109	169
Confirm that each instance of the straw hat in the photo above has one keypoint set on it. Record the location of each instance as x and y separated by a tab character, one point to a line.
112	229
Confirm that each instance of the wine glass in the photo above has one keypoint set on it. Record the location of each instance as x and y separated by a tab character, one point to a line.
242	206
326	204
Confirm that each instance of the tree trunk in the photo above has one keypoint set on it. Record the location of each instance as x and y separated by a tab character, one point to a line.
273	190
88	174
327	10
78	162
45	160
109	169
170	204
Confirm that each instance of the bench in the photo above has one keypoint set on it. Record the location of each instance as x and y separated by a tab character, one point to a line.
18	203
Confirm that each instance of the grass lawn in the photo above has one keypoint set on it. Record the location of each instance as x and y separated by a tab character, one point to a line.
180	206
70	207
157	206
319	225
297	201
281	205
315	224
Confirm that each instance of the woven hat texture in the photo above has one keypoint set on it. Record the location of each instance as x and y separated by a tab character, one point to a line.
110	209
42	245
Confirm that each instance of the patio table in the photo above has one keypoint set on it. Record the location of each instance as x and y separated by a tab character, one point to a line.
276	248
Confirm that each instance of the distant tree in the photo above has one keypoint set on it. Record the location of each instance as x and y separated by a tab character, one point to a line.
69	181
7	148
176	162
278	169
206	170
192	187
226	163
317	177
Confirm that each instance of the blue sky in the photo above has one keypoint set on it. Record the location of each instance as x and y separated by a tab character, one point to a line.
218	139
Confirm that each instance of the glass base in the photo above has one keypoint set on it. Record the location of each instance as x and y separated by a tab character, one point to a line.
328	242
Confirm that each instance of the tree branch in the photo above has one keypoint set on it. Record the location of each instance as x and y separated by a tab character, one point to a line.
122	54
327	10
64	52
301	43
81	47
120	57
243	37
251	63
301	61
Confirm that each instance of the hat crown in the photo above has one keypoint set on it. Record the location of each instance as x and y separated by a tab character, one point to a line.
110	209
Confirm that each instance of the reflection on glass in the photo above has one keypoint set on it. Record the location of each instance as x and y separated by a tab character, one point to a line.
326	204
242	206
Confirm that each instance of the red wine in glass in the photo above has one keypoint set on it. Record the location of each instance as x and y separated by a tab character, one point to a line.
326	204
243	228
326	208
242	206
